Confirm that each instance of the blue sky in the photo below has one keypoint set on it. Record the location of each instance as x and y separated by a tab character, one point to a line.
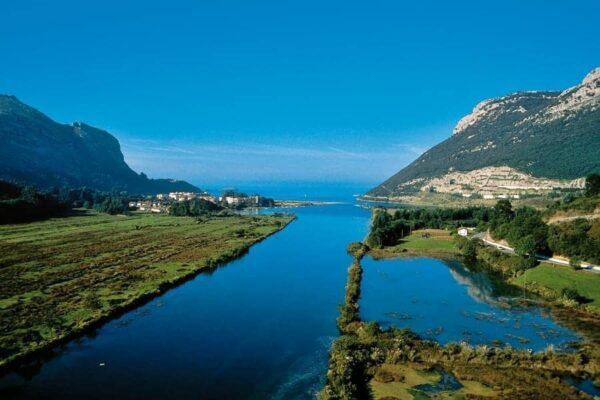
329	91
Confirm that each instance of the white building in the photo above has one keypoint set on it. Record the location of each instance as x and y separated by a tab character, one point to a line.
208	197
181	196
464	232
232	200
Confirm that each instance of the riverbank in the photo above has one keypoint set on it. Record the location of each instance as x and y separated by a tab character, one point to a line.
573	296
368	362
65	276
440	200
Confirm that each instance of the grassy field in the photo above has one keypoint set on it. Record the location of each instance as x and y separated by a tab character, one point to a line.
556	278
60	276
401	381
423	241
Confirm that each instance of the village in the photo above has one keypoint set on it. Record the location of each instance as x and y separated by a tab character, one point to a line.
161	202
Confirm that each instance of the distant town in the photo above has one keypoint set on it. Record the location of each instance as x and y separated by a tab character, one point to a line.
162	202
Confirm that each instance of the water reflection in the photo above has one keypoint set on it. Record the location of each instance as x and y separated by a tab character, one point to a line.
482	286
446	301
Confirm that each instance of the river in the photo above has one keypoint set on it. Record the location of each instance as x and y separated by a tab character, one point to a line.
261	326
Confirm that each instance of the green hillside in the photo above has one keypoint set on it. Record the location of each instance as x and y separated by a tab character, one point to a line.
545	134
37	150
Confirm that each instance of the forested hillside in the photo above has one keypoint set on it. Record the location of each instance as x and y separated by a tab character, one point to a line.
545	134
39	151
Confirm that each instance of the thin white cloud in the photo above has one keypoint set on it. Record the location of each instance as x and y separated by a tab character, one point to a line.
239	161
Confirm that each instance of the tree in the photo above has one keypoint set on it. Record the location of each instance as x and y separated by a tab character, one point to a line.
592	185
356	249
503	211
469	251
526	246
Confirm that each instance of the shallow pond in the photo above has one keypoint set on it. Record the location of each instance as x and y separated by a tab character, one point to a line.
445	301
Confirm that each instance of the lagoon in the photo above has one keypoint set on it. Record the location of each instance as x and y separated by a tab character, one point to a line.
444	300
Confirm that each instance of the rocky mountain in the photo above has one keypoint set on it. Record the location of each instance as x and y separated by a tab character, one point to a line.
37	150
550	139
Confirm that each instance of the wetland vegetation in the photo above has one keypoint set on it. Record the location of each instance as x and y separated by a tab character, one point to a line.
367	361
60	276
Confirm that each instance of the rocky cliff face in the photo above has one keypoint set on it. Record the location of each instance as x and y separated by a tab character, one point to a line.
553	135
37	150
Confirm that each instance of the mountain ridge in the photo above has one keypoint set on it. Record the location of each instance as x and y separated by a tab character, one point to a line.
40	151
549	134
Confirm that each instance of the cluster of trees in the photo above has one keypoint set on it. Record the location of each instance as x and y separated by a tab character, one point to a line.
111	204
388	228
575	201
26	203
579	240
106	202
23	204
524	228
194	208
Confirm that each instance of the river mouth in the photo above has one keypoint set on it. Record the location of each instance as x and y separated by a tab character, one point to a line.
445	301
261	327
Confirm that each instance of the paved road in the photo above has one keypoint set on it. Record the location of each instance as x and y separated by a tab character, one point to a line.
556	220
541	257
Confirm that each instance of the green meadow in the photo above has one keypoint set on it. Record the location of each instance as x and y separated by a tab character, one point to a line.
555	279
61	276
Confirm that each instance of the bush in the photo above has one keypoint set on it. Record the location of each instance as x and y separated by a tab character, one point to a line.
571	294
469	251
194	208
575	263
356	249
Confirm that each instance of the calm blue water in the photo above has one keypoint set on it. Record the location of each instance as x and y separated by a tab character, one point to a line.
261	326
257	328
444	301
316	191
